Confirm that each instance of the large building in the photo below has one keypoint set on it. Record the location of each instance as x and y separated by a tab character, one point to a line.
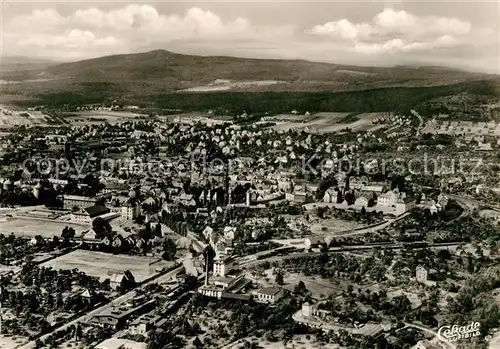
222	266
269	295
130	210
71	202
86	215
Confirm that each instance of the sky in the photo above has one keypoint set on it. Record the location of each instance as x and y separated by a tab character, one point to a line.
372	33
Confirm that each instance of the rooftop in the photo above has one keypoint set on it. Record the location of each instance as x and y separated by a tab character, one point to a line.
270	291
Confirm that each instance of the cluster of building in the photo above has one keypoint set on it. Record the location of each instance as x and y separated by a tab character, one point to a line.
467	130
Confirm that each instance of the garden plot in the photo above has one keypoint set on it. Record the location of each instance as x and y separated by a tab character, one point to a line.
101	264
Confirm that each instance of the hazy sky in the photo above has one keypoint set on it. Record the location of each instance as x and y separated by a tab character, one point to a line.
450	33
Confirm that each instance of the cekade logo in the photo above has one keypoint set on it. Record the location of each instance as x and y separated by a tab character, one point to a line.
455	332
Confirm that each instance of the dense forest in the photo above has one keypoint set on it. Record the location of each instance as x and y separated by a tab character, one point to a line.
399	99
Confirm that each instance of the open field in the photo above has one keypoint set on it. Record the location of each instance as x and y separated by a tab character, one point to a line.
99	264
9	342
490	214
99	116
333	226
328	122
225	85
31	227
10	117
319	288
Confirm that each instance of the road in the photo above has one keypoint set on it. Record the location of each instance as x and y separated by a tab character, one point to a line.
420	121
395	246
360	231
117	301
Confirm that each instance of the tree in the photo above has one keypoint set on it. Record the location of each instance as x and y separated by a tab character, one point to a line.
197	343
158	231
300	288
279	278
320	211
363	211
68	233
101	227
169	250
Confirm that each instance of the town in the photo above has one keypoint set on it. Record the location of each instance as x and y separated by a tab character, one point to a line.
207	231
249	175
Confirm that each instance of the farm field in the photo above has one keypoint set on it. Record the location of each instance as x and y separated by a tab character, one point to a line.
328	122
98	116
99	264
9	342
10	117
32	227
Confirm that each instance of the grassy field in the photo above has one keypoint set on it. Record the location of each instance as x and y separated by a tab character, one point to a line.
10	117
319	288
328	122
9	342
32	227
333	226
99	264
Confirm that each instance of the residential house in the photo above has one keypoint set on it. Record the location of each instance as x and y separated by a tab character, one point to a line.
361	202
121	280
269	295
37	240
314	243
118	241
145	323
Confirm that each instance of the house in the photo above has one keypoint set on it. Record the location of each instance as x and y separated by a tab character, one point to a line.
115	187
186	200
361	202
229	233
309	310
107	240
88	295
118	241
269	294
442	200
403	205
145	323
121	280
330	196
207	232
89	235
135	240
37	241
388	199
314	242
422	276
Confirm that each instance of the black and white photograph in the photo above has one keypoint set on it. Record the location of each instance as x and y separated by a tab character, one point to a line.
249	174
